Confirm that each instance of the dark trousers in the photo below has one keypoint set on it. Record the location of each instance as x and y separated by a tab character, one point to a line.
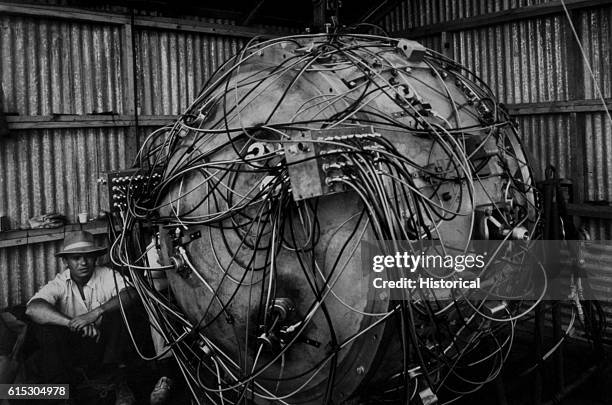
63	351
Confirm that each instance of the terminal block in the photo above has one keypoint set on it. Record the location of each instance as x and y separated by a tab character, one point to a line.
316	164
127	184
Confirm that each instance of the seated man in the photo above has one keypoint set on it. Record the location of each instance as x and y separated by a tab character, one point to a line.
78	323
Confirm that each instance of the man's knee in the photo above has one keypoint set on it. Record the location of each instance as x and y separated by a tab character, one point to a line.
49	334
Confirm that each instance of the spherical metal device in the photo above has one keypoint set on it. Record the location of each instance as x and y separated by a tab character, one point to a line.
296	151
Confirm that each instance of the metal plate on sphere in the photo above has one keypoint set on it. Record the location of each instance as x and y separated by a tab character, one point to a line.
304	172
306	159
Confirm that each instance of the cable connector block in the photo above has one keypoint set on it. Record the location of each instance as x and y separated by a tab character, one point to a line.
208	351
428	397
414	51
180	264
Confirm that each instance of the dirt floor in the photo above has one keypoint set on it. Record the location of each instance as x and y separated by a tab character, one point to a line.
520	389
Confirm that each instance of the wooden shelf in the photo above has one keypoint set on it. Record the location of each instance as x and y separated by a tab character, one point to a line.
590	210
23	237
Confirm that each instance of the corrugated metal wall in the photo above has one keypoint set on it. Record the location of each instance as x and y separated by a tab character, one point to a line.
546	140
420	13
595	36
522	62
172	66
55	170
50	67
526	61
24	269
59	67
54	67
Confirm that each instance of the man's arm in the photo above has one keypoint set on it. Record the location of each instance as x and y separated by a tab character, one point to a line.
126	296
42	312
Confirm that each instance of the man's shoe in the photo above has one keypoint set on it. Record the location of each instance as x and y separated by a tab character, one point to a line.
124	395
161	393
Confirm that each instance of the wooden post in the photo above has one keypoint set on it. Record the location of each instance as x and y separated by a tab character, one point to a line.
4	131
446	45
130	91
318	14
575	89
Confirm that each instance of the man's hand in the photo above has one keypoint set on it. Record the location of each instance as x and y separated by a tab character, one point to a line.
90	331
91	318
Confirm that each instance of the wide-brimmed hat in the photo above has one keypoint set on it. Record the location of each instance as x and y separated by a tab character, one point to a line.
82	243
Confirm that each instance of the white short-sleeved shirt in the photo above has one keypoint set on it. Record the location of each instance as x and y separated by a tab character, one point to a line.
63	293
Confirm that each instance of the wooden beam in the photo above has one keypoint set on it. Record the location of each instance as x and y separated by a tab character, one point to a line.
75	14
68	121
202	27
17	122
64	13
86	121
237	15
559	107
578	163
4	130
319	11
446	44
515	14
590	210
576	90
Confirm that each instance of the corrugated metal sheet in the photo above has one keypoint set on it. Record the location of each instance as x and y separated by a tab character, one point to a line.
599	229
598	155
25	269
59	67
173	66
522	62
597	42
526	62
56	170
546	140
